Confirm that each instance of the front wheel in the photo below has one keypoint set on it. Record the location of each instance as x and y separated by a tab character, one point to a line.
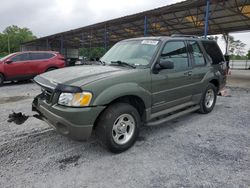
50	69
1	79
208	99
118	127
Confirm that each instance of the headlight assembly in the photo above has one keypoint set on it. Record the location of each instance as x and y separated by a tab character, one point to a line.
75	99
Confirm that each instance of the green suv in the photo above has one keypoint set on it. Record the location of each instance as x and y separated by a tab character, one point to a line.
142	81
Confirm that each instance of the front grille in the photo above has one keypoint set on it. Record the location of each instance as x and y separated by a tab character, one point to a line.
47	94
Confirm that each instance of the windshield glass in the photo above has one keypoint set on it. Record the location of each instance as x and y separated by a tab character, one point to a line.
5	57
133	52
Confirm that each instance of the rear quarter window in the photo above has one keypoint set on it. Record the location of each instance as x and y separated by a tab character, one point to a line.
48	55
213	51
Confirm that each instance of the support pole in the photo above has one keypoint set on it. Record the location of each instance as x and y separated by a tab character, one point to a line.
90	38
105	38
47	44
207	19
8	43
145	26
226	37
61	45
227	58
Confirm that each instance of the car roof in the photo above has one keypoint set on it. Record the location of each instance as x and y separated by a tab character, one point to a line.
165	38
17	53
38	52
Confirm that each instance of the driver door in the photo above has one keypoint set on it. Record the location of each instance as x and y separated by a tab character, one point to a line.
18	67
171	87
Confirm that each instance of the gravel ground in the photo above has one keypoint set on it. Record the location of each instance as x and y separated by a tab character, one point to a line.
239	78
192	151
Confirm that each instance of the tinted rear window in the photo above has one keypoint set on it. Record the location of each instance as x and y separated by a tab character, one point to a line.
40	56
213	51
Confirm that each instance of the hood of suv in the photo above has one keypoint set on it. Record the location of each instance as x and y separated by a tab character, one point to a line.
79	75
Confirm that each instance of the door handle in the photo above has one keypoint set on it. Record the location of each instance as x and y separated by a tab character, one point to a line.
189	73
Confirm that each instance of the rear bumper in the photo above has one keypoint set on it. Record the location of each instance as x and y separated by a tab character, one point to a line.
76	123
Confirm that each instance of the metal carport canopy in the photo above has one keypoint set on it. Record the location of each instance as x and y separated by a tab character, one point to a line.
187	17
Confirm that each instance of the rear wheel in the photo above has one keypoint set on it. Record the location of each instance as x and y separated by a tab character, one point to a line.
118	127
208	99
1	79
50	69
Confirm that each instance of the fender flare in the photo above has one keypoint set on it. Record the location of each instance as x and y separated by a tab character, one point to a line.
120	90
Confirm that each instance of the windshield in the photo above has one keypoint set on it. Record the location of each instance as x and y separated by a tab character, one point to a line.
133	52
5	57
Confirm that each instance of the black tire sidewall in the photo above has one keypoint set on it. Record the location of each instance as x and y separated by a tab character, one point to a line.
203	108
106	122
50	69
1	79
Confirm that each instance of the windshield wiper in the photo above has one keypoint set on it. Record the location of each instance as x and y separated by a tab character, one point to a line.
123	63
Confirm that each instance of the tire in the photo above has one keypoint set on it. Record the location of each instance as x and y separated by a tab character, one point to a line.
208	99
1	79
118	127
50	69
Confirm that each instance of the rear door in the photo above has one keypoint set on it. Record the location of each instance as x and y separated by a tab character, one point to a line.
200	68
18	68
39	62
171	87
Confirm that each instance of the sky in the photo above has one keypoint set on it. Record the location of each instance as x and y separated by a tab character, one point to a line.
46	17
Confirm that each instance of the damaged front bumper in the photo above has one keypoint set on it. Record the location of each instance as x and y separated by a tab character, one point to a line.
76	123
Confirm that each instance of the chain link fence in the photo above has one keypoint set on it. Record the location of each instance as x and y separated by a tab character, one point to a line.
239	64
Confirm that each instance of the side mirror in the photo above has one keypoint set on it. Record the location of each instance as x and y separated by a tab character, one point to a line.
8	62
165	64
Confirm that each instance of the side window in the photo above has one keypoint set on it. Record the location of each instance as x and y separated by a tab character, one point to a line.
20	57
197	53
176	52
40	56
213	51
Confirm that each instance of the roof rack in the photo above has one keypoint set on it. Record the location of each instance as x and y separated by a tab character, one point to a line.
182	35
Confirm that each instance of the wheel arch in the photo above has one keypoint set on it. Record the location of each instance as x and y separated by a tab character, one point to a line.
133	100
4	76
130	93
216	83
52	67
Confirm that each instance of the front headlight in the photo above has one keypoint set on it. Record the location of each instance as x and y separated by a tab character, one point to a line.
75	99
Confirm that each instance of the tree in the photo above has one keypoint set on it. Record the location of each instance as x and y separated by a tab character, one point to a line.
92	53
235	47
248	54
12	37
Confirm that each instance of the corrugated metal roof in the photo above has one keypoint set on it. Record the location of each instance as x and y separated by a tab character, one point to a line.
186	17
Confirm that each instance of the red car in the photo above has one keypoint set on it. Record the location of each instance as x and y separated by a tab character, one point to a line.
26	65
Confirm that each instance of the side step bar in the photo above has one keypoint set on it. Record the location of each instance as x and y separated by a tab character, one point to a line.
171	117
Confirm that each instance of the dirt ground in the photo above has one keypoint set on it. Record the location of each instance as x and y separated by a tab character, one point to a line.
196	150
